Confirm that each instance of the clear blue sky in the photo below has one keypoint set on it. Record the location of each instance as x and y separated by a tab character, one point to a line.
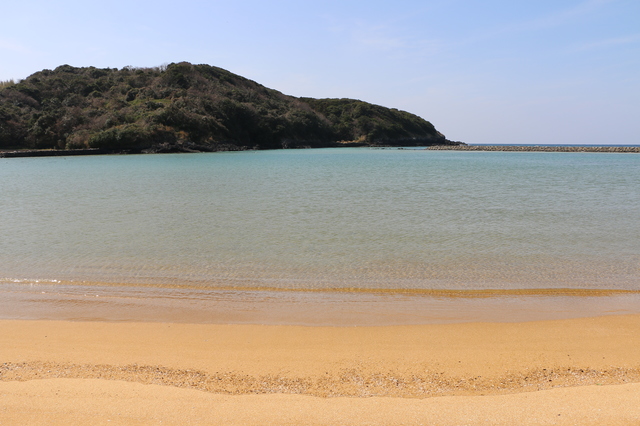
492	71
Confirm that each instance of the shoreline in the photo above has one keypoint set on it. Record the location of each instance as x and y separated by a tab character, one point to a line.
134	303
496	367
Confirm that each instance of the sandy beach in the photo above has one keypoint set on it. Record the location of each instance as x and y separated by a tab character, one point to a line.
576	371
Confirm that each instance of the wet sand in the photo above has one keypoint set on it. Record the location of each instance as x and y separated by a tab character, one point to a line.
575	371
115	303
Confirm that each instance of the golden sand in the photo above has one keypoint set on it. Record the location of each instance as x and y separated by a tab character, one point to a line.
579	371
103	402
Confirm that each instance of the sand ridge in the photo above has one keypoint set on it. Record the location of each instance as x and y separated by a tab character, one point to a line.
346	383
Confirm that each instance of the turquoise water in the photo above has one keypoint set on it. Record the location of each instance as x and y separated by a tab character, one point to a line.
325	219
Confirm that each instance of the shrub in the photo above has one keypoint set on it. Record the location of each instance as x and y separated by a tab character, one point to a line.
6	83
128	136
78	140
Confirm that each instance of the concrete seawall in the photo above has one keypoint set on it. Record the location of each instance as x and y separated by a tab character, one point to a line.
51	152
528	148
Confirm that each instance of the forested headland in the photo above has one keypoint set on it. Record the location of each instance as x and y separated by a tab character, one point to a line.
183	107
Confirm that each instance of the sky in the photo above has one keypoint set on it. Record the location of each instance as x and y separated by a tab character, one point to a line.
483	72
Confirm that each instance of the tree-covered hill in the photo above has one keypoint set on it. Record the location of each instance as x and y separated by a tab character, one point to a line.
185	107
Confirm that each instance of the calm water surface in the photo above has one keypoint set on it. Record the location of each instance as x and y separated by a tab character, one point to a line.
333	218
360	219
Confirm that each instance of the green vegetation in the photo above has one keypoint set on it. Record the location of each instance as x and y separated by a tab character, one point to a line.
185	107
6	83
357	120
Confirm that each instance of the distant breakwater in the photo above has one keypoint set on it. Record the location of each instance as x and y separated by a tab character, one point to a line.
51	152
527	148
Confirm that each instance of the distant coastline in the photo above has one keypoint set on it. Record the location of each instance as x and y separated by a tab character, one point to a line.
14	153
538	148
462	147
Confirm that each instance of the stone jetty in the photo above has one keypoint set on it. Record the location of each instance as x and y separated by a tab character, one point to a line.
541	148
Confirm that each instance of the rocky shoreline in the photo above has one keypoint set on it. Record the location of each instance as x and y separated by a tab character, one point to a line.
536	148
190	147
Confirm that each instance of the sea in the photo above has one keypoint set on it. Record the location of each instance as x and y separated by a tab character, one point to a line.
344	236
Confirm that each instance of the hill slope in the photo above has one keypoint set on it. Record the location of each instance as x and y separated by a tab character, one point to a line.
185	107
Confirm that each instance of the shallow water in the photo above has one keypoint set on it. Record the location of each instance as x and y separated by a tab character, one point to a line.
61	301
361	219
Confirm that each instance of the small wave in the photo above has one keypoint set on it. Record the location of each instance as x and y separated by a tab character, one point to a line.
248	286
29	281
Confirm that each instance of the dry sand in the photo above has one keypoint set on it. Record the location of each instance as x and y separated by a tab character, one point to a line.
579	371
